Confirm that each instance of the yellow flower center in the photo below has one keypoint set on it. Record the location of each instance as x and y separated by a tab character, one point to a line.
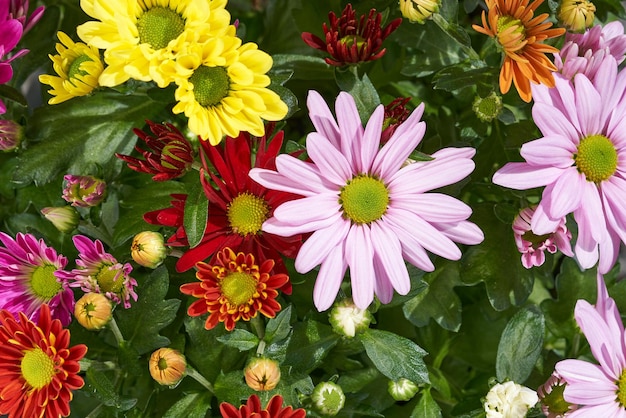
37	368
364	199
157	26
210	85
505	22
110	280
596	158
238	288
350	40
43	282
621	389
513	40
246	214
74	68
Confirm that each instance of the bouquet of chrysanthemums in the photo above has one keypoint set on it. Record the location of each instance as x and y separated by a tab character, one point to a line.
292	208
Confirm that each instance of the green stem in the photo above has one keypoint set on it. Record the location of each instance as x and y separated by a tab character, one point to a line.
116	331
95	412
193	373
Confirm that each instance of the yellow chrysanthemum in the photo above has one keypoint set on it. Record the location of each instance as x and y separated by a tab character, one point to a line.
141	36
222	89
78	67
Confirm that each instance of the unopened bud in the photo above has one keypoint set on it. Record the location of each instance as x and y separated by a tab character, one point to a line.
93	311
347	319
148	249
328	398
417	11
11	135
510	400
487	108
64	218
576	15
83	191
262	374
402	390
167	366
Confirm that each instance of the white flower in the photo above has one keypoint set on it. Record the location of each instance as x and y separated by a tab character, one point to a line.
509	400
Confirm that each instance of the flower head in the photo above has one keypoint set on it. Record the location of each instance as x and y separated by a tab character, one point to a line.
551	398
417	11
223	89
234	288
139	38
11	135
576	15
167	366
39	369
395	113
18	10
487	108
262	374
367	211
509	400
532	246
520	34
238	205
64	218
93	311
580	161
584	53
169	154
328	398
83	191
148	249
253	408
98	271
349	40
78	67
347	319
27	278
12	31
598	389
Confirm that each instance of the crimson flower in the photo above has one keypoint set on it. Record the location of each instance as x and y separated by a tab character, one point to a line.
349	40
395	113
252	409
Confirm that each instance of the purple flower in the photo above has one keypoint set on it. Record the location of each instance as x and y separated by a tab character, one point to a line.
83	191
28	280
99	272
367	210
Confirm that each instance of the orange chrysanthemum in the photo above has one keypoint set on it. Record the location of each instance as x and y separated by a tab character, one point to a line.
234	288
38	372
521	36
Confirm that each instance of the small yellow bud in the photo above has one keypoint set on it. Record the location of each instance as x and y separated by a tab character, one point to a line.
262	374
576	15
148	249
417	11
93	311
167	366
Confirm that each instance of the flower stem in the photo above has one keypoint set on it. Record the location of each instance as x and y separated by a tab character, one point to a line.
116	331
193	373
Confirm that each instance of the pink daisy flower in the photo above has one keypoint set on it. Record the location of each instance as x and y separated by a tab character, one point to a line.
581	161
365	208
598	389
533	246
27	278
99	272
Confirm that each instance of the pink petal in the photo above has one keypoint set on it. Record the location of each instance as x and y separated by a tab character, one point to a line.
277	181
433	207
523	176
552	122
389	254
350	125
329	161
564	196
587	106
382	286
308	209
541	223
366	151
285	229
317	247
609	251
463	232
360	254
605	410
553	150
329	279
412	251
322	118
581	372
613	192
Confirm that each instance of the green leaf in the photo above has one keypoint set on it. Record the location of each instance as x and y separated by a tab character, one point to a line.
196	215
305	67
361	89
278	328
80	134
310	342
438	301
98	384
193	405
141	324
520	345
426	407
394	356
12	93
460	76
240	339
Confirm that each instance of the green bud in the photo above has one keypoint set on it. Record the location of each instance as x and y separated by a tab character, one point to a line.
402	390
328	398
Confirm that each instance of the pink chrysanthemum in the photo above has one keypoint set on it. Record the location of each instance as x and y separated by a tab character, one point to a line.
366	210
532	246
584	53
27	278
99	272
598	389
581	160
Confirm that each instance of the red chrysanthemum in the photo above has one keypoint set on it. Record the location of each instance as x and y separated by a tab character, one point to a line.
395	113
38	372
253	409
234	288
238	206
350	41
169	156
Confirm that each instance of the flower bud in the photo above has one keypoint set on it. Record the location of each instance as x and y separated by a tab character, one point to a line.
167	366
11	135
328	398
576	15
417	11
553	404
395	113
148	249
83	191
487	108
262	374
64	218
347	319
93	311
402	390
509	400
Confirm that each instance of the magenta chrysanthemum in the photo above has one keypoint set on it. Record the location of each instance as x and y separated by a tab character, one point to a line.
98	271
367	210
27	278
581	161
598	389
